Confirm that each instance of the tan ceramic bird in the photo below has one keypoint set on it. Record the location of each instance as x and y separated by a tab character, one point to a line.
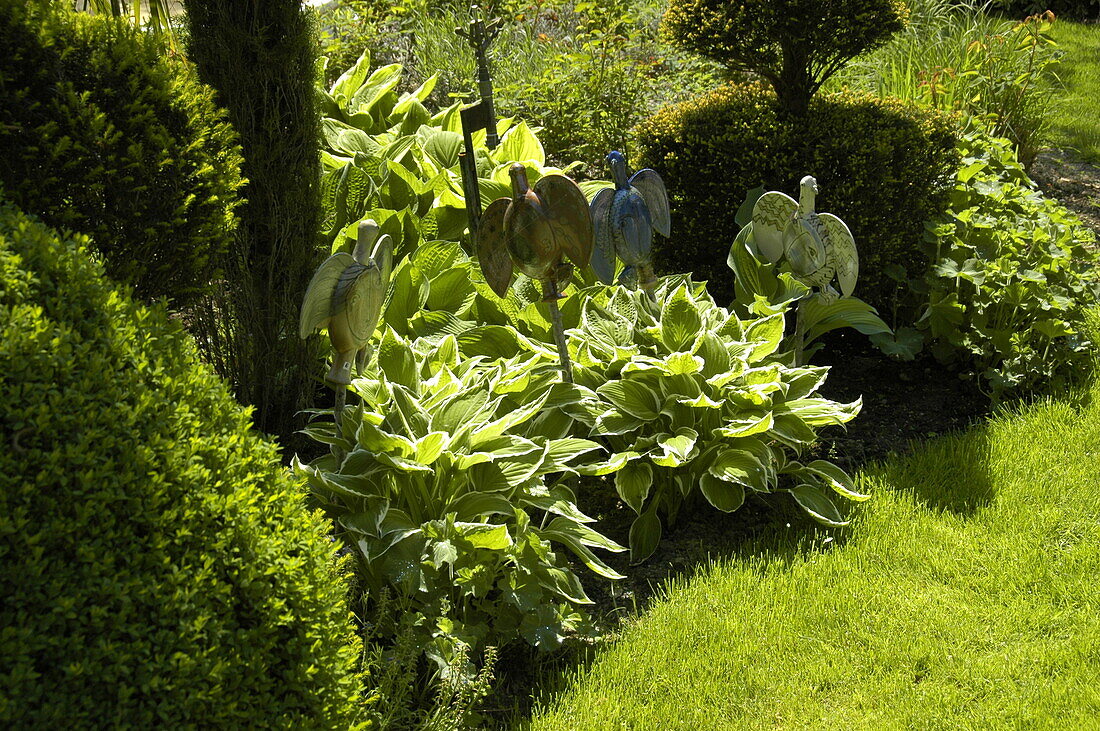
346	296
534	231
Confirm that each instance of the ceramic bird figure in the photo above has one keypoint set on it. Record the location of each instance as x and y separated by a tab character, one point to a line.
818	246
625	217
345	296
534	231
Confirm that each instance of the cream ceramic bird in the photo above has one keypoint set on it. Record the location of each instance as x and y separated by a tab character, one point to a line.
818	246
346	296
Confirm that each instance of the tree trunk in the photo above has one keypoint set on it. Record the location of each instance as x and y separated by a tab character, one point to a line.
795	86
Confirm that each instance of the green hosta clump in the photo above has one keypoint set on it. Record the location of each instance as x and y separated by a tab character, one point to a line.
689	396
447	482
1013	274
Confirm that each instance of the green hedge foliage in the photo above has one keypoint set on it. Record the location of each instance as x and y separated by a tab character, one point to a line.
102	132
159	568
883	166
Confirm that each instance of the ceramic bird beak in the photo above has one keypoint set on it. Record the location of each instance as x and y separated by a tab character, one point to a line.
809	182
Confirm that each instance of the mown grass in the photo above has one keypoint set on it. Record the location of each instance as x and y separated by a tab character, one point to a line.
964	595
1075	124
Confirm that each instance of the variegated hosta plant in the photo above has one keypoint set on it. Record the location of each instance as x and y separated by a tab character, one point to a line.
690	397
450	492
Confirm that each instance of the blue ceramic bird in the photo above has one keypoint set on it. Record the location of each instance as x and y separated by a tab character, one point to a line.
624	218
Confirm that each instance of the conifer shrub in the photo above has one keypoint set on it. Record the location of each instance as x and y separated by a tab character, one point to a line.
261	60
102	132
159	568
883	166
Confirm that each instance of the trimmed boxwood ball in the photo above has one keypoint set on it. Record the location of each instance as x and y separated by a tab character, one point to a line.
159	568
104	132
796	45
884	167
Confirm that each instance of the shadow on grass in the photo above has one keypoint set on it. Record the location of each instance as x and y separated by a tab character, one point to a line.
949	474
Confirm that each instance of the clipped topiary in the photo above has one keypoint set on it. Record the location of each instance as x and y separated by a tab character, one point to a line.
159	568
102	132
794	44
884	168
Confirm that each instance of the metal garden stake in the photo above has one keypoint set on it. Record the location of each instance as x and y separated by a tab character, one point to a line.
480	115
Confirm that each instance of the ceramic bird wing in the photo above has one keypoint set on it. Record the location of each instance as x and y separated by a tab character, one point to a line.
492	248
603	253
383	257
363	297
366	290
568	216
842	251
652	189
317	303
771	214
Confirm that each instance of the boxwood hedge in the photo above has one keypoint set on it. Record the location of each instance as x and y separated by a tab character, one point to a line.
158	565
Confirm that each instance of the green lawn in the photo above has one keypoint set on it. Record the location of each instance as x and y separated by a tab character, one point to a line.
1076	123
966	594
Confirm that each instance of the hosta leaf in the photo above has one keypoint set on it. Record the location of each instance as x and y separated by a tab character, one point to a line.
676	449
462	409
489	536
633	483
817	505
520	145
765	334
802	382
680	320
430	447
402	464
820	318
631	397
726	496
701	401
614	463
397	362
792	430
746	427
507	422
683	363
573	542
836	478
563	451
740	466
645	535
558	500
563	583
478	504
822	412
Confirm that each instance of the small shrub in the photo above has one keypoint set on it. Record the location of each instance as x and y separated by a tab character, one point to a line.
884	168
103	133
1012	276
796	45
159	568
